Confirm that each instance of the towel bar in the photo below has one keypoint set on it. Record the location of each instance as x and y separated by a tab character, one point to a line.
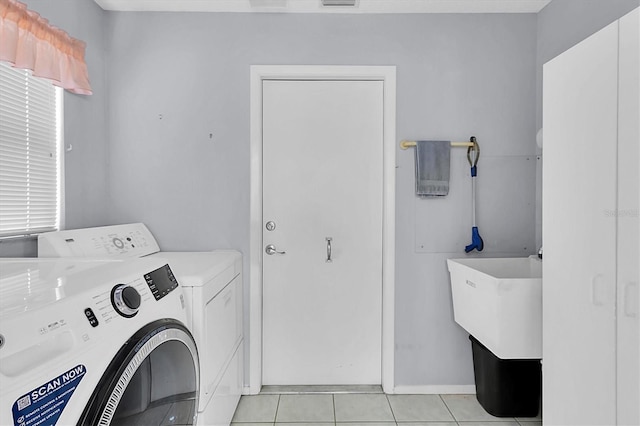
409	144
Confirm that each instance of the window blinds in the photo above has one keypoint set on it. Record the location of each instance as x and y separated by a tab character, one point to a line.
29	153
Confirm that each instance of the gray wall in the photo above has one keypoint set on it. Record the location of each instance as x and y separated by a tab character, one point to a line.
175	78
85	124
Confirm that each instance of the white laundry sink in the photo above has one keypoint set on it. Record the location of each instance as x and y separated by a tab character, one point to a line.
499	302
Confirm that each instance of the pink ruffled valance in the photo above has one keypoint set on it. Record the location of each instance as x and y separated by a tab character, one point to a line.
28	41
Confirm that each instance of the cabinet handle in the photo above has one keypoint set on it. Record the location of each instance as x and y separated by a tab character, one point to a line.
631	299
328	249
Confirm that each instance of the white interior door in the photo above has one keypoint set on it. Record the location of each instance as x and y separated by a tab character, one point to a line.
322	178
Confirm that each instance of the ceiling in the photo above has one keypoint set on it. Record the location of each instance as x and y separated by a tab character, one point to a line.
315	6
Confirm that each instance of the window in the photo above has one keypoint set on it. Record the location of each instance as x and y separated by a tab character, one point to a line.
30	153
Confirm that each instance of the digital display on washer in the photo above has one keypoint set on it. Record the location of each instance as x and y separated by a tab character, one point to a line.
161	281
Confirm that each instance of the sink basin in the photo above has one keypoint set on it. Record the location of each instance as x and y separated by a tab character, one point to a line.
499	302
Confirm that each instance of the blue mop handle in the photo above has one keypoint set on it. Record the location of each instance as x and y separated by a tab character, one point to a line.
476	239
473	197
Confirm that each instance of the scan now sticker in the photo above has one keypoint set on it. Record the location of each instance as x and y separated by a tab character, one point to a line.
44	405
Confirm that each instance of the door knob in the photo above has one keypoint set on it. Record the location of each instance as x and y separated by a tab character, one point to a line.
271	250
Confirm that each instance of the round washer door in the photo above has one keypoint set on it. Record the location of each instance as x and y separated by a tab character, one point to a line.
153	380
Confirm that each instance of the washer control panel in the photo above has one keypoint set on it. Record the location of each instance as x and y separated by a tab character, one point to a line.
121	300
161	281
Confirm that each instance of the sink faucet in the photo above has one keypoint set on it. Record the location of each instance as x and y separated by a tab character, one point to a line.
540	253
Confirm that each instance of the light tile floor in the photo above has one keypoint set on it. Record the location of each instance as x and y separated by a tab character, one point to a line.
355	409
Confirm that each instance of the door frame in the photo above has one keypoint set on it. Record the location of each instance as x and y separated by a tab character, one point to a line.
386	74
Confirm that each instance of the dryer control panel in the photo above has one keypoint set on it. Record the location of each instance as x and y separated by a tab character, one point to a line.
116	241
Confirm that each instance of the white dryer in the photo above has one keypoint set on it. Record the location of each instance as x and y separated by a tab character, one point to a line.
86	342
212	284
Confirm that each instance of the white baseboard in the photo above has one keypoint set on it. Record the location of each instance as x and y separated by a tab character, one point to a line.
410	390
435	389
248	390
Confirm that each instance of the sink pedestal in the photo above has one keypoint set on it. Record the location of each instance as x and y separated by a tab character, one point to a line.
506	387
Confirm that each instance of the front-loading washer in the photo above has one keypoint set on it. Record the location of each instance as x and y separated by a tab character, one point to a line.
212	284
87	342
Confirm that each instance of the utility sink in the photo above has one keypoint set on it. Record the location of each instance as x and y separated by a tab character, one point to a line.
499	302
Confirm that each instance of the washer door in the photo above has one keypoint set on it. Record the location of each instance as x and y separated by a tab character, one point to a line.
153	380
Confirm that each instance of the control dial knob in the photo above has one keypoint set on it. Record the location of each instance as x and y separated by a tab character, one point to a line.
126	300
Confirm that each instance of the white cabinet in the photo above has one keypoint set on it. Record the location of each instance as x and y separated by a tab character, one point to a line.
590	230
628	297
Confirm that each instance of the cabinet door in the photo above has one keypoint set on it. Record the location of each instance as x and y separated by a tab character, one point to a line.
627	215
579	232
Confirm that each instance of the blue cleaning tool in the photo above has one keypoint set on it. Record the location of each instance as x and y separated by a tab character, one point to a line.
473	154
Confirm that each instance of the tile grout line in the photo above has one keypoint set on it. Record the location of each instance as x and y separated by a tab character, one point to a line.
391	408
449	409
275	418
